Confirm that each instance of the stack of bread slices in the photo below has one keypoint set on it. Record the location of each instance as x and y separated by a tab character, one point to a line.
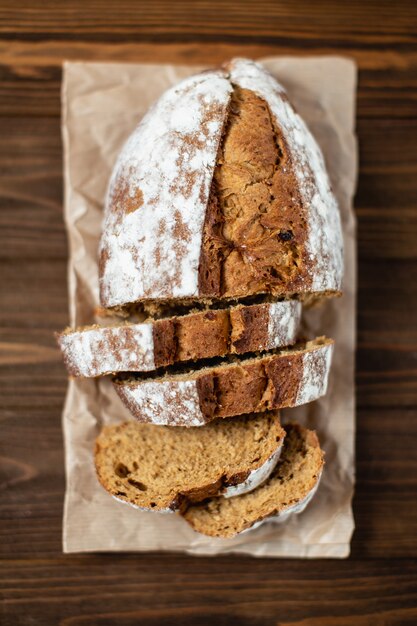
220	225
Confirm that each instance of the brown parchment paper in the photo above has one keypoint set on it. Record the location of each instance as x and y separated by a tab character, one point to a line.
102	103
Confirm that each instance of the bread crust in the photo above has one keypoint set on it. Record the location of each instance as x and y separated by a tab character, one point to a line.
171	234
270	381
95	351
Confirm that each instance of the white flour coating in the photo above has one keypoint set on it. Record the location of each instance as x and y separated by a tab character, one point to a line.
294	509
324	230
166	168
168	402
144	509
283	323
98	351
256	477
316	368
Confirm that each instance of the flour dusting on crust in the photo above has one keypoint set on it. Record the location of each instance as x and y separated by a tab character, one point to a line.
132	347
98	351
283	323
316	368
168	403
158	195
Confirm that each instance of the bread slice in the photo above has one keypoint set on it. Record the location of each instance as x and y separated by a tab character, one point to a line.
97	350
274	380
220	192
288	490
160	468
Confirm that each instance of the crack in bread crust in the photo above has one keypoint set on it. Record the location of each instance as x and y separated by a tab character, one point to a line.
254	232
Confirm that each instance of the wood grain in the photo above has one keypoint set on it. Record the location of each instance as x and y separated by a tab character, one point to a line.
94	21
39	585
97	590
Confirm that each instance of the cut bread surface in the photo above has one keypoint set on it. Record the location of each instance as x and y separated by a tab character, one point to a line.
98	350
277	379
288	489
161	469
234	202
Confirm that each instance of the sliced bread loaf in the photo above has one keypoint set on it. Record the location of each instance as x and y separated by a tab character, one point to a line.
160	468
273	380
220	192
97	350
288	490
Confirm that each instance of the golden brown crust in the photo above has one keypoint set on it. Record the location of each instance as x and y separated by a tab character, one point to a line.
165	343
203	335
249	328
255	227
267	383
211	333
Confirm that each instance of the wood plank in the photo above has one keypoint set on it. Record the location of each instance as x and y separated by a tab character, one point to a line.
387	334
386	306
386	483
130	590
30	72
50	52
31	212
35	295
331	22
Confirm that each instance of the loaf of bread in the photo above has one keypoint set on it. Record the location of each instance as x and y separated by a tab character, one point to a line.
288	490
221	192
162	469
275	380
219	223
140	347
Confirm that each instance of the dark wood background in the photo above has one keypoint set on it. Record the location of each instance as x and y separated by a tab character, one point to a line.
40	585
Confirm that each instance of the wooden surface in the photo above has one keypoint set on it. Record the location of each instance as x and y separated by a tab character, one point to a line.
39	585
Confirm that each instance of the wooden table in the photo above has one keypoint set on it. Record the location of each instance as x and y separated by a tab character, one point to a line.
39	585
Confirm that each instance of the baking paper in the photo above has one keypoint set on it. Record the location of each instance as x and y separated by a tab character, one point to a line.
102	103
